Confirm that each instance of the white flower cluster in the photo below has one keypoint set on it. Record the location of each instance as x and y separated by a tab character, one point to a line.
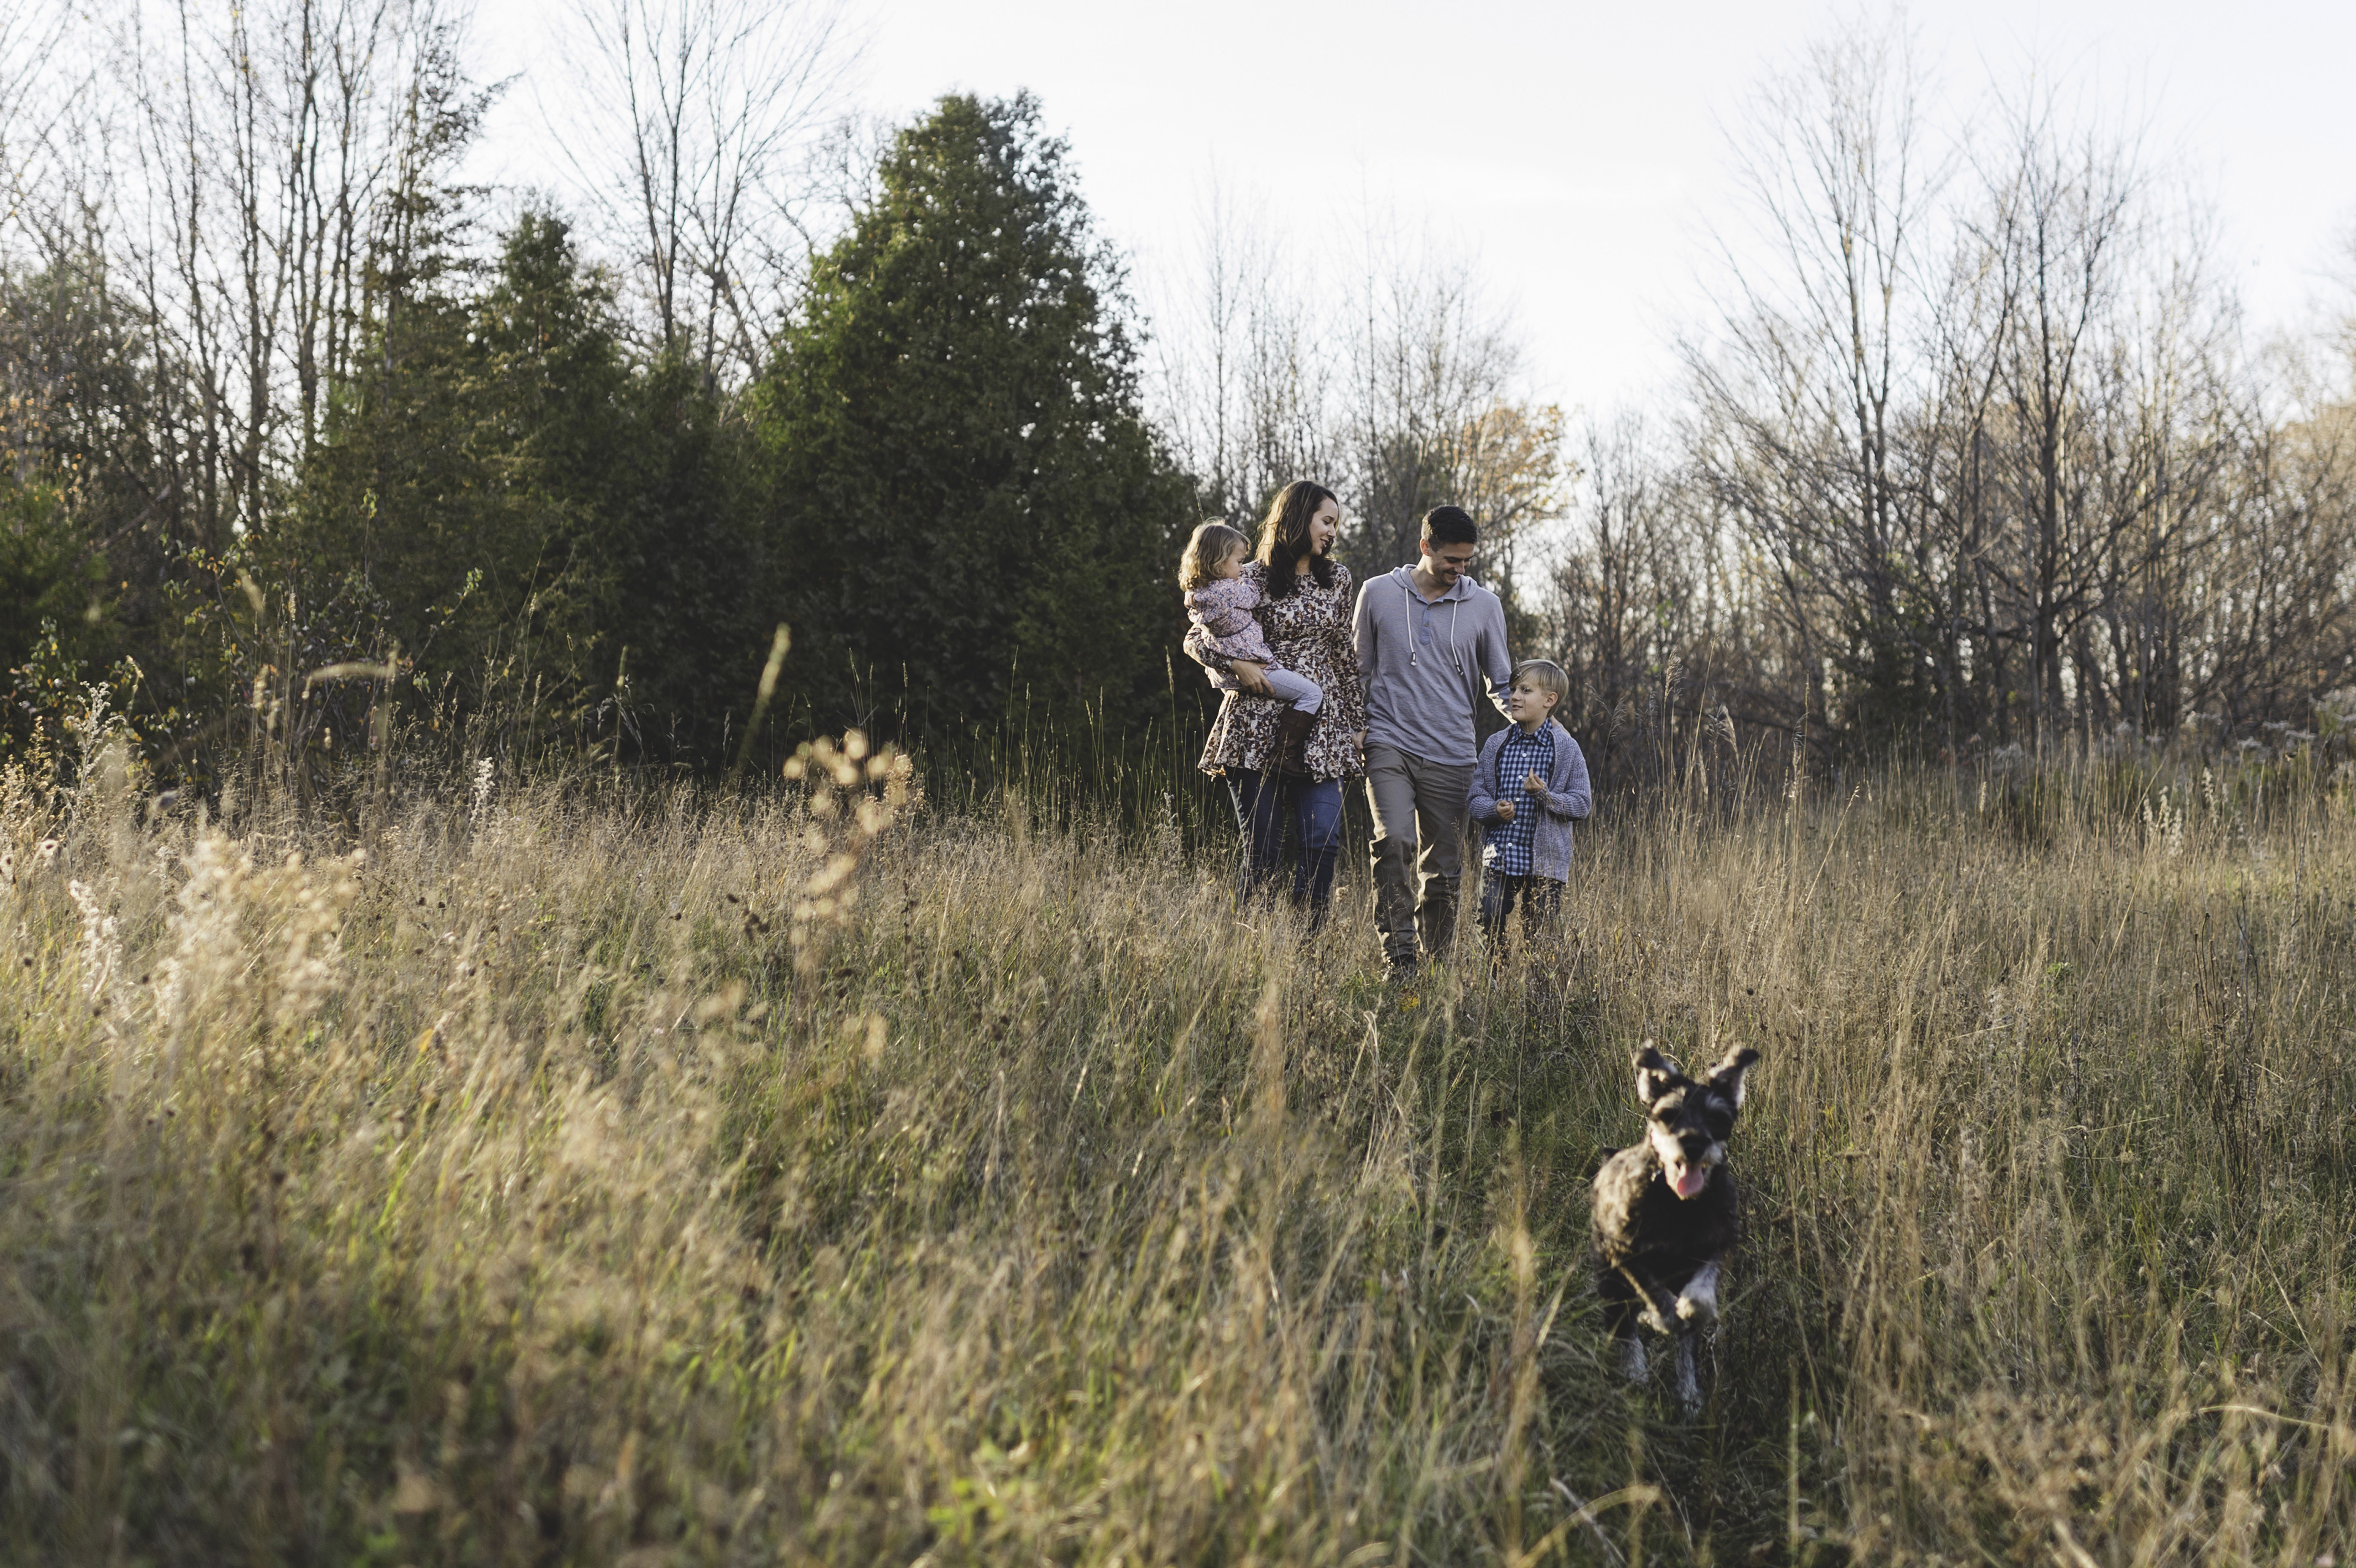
486	785
102	941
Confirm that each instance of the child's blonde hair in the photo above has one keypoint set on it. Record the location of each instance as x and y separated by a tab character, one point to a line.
1549	677
1210	545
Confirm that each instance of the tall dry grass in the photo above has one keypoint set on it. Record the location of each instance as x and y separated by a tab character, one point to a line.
520	1191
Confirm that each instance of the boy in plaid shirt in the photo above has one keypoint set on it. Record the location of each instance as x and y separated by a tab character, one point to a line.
1530	786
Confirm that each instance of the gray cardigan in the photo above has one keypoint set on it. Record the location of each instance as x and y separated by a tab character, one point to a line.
1566	801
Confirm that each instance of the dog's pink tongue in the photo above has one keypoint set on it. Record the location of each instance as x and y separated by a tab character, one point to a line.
1691	1180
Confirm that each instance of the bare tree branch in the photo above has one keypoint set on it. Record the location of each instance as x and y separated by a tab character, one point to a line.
690	127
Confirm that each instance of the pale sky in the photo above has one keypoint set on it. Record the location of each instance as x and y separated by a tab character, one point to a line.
1575	150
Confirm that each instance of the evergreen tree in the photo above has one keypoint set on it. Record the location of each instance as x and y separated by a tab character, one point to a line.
691	614
83	554
540	527
444	514
56	625
967	494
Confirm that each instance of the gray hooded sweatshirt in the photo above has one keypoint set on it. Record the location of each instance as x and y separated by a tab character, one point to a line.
1426	664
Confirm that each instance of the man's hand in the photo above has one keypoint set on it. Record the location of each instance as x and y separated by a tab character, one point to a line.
1249	677
1504	811
1534	785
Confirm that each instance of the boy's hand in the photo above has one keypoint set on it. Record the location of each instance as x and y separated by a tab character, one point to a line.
1504	811
1534	784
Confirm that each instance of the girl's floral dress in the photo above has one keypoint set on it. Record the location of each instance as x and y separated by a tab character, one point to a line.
1308	631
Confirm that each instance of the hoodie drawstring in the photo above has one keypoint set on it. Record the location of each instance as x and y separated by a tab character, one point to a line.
1414	637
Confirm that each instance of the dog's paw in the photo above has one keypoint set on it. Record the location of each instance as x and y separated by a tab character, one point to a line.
1698	1303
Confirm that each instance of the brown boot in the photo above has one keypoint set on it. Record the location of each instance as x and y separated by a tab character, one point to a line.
1290	758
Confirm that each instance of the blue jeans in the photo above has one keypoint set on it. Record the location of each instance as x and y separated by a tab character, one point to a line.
1316	812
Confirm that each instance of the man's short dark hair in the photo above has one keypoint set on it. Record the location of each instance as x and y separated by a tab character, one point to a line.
1450	525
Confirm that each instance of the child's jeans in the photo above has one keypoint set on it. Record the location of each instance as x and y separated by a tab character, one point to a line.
1290	686
1540	898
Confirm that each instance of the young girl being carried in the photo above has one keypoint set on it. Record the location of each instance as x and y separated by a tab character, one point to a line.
1221	600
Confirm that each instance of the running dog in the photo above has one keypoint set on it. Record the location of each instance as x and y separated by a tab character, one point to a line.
1665	1212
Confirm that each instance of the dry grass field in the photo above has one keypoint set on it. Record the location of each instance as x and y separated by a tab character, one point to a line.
568	1178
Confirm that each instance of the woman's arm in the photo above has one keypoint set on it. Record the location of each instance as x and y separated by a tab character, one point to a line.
1203	651
1246	671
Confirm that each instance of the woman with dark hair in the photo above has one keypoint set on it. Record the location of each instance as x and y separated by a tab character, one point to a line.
1306	614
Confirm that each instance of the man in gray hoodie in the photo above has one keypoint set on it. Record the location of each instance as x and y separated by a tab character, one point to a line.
1431	642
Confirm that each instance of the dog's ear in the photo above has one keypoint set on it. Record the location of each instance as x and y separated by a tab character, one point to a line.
1726	1076
1655	1073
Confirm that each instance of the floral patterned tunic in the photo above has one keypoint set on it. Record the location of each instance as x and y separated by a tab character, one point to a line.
1309	630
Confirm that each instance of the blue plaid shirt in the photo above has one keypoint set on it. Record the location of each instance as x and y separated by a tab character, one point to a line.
1508	852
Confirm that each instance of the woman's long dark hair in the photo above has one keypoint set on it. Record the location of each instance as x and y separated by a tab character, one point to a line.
1284	537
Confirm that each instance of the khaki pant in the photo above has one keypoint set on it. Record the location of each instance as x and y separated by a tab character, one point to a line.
1418	851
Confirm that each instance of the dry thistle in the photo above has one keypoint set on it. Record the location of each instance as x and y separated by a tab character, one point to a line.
856	794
